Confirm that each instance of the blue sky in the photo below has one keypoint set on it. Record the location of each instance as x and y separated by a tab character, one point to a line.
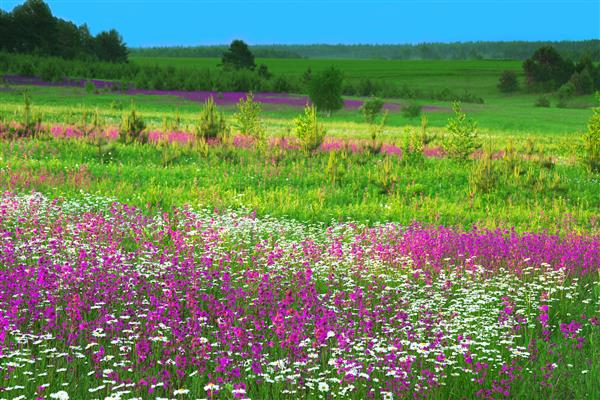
194	22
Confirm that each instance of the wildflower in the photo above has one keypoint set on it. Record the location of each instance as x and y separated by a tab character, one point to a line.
180	391
60	395
323	387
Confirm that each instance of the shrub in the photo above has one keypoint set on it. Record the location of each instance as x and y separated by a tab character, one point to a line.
308	129
247	118
591	143
411	110
132	129
508	82
542	101
461	140
212	122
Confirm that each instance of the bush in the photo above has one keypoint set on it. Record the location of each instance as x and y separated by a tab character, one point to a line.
247	118
508	82
591	143
461	140
212	122
308	129
542	101
411	110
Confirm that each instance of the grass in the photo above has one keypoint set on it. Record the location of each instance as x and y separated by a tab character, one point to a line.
289	184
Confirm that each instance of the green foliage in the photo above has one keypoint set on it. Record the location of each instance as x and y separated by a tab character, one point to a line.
132	129
308	129
238	56
412	110
325	90
461	140
211	124
247	118
591	143
508	82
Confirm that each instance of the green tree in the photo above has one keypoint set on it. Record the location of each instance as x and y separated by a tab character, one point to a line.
34	28
547	69
325	90
238	56
109	46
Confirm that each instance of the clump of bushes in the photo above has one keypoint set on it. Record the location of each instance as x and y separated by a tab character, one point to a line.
308	129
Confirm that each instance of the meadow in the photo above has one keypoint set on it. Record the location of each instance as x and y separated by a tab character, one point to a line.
175	265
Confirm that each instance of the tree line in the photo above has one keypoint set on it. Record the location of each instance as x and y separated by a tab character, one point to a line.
30	28
513	50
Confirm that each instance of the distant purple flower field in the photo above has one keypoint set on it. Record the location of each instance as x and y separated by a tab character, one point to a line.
200	96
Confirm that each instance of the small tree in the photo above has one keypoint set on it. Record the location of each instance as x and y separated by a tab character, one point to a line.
238	56
247	118
212	122
461	140
508	82
325	90
591	142
308	129
132	129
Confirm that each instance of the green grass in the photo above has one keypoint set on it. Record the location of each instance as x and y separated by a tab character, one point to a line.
290	184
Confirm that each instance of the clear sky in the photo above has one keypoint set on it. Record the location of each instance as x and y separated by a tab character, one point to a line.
194	22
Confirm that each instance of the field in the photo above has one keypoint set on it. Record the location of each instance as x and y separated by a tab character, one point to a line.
178	266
